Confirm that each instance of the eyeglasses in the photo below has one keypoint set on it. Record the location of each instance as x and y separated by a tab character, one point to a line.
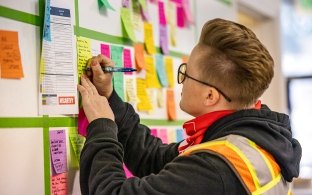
182	75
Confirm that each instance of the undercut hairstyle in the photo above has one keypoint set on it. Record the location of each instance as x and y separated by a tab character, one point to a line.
236	62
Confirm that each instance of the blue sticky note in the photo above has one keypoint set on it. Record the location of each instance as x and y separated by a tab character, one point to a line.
162	76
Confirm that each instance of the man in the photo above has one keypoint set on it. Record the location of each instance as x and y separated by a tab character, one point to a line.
235	144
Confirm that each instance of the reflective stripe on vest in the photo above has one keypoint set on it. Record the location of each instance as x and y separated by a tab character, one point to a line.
255	167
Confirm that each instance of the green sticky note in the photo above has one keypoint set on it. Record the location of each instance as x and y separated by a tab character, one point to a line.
76	142
118	78
126	18
106	4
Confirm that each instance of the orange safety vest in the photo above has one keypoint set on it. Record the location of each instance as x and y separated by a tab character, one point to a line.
254	167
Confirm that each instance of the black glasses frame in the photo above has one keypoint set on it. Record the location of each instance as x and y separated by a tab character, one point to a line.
182	79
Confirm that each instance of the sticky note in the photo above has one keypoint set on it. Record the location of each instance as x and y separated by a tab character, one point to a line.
106	4
169	71
180	16
172	18
131	96
125	3
160	68
83	53
127	59
149	38
171	108
180	135
105	50
126	18
76	142
151	76
139	56
59	184
187	11
46	24
163	39
58	151
144	103
185	59
161	13
118	78
172	136
154	132
162	134
10	57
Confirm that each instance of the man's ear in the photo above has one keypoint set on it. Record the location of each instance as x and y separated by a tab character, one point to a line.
212	97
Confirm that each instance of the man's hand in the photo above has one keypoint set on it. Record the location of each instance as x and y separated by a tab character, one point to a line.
102	81
94	105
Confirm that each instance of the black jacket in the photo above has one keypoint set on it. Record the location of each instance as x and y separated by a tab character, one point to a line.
158	168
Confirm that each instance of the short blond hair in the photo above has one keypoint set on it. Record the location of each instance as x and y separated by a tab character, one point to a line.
237	62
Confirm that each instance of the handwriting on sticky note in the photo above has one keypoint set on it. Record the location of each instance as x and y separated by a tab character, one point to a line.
139	56
10	57
58	151
169	71
83	53
144	103
151	76
59	184
127	60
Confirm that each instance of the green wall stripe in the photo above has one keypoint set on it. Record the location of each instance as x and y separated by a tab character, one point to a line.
40	122
20	16
76	18
91	34
46	155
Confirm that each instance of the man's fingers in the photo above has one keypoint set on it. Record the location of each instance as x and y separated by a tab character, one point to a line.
104	61
92	87
86	84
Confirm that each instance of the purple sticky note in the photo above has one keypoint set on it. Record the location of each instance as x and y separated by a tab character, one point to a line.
58	151
163	39
125	3
82	123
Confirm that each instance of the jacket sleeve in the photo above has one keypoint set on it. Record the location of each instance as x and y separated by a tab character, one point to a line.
101	170
140	147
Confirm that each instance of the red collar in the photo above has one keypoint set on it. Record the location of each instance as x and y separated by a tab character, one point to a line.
196	127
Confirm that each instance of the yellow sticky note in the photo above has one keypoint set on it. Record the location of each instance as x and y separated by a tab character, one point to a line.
151	75
171	108
83	53
169	71
127	22
130	90
172	18
144	103
149	38
10	56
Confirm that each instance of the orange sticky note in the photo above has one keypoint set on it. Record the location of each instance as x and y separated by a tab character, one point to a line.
10	56
59	184
171	109
139	56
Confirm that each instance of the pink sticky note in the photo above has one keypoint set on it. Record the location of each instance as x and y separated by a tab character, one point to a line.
154	132
180	17
187	11
163	39
59	184
177	1
161	13
127	172
127	59
162	134
125	3
82	123
105	50
58	151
